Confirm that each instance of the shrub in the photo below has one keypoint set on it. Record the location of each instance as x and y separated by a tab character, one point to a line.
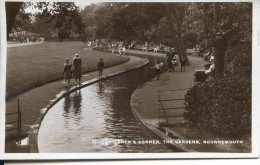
223	104
190	39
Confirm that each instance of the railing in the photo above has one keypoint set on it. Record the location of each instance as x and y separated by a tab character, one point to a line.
163	109
19	118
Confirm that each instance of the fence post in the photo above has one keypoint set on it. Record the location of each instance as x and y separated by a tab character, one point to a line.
159	108
19	117
163	110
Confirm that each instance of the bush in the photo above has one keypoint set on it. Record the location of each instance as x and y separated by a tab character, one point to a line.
223	104
190	39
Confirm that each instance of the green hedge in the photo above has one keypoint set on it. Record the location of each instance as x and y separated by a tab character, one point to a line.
223	104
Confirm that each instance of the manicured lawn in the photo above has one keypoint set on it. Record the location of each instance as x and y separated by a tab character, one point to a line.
31	66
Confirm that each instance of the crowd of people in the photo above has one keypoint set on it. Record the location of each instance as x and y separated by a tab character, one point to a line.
161	48
74	69
113	46
24	39
156	48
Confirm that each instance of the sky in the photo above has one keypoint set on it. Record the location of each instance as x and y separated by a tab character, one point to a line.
81	4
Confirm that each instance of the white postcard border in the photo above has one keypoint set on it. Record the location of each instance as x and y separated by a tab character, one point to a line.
255	101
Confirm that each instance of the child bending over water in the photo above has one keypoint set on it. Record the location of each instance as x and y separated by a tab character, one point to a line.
158	69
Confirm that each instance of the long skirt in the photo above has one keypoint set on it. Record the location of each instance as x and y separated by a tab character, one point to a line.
170	65
77	73
68	75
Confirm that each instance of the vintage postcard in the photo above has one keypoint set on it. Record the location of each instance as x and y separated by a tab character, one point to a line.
129	79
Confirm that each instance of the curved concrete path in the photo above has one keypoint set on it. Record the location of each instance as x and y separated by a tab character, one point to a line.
180	136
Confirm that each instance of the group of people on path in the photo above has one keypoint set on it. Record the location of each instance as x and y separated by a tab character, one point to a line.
74	70
171	62
119	47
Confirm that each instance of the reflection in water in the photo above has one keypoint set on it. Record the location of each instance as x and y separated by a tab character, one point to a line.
66	107
72	109
100	87
84	120
77	100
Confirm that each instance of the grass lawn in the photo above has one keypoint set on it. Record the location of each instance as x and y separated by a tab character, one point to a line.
31	66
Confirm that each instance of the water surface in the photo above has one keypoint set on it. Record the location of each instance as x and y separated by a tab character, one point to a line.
98	118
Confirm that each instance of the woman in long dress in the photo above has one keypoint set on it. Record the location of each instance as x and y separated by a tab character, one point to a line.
77	69
169	60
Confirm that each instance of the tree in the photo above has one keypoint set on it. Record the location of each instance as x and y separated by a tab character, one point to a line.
42	26
175	13
12	9
231	22
66	16
137	21
89	21
228	110
23	20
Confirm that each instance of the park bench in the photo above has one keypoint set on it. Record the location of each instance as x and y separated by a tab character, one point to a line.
199	73
189	51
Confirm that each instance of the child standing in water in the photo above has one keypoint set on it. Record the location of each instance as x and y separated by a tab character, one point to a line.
100	67
158	69
67	72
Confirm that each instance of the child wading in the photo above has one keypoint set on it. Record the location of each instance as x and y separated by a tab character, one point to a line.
158	69
100	67
67	72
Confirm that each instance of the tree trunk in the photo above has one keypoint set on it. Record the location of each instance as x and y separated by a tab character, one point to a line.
219	45
175	36
217	12
219	56
12	9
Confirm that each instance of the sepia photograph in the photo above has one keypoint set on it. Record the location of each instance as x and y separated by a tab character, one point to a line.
160	78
